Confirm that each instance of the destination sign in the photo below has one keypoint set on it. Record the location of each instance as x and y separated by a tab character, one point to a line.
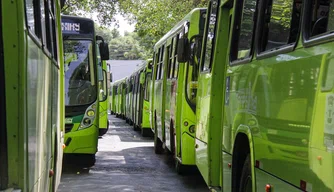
77	26
70	27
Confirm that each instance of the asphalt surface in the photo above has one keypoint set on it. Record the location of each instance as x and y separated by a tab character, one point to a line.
127	162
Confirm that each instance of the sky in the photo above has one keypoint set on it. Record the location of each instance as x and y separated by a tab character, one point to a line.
124	25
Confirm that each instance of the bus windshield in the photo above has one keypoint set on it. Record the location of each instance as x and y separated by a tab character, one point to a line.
79	72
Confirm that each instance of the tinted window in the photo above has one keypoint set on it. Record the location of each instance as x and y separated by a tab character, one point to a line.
243	29
210	35
280	27
320	17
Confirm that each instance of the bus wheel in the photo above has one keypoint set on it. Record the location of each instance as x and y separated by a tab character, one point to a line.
158	149
246	176
88	160
180	168
146	132
135	127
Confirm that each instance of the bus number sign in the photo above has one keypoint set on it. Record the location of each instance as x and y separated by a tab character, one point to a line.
70	27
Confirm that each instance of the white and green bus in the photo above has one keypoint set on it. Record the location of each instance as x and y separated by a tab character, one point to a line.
83	60
32	95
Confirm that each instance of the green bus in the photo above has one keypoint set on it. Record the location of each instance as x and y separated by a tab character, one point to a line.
32	95
129	99
82	55
119	96
175	89
104	85
265	96
141	105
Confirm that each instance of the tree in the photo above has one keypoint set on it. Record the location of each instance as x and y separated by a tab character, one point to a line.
103	9
154	18
127	47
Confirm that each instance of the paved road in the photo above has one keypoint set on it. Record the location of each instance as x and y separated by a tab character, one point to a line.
126	162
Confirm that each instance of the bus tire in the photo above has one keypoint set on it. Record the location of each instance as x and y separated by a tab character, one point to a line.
158	149
179	168
90	160
246	176
146	132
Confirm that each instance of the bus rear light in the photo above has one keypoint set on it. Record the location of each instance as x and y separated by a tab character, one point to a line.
268	188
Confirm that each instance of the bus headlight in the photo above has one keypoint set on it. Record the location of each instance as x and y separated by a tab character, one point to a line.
89	117
86	121
90	113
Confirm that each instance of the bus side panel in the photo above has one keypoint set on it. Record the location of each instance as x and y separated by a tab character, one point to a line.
168	111
39	119
146	115
158	108
203	118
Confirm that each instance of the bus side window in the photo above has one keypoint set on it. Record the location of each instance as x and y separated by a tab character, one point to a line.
175	63
280	23
320	17
156	66
209	38
169	61
33	17
50	28
161	74
243	29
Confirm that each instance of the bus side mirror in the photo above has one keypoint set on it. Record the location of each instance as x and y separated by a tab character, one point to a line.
104	51
183	50
110	77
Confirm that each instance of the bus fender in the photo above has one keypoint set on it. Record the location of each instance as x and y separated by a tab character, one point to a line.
245	129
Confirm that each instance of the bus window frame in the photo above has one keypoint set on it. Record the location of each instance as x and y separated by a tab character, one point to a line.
174	54
307	40
237	19
205	38
105	81
258	34
38	34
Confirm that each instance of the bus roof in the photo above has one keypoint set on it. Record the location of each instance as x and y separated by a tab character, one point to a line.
177	27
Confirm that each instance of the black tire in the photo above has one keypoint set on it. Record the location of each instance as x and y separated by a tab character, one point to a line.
103	131
179	168
246	176
158	145
136	127
146	132
89	160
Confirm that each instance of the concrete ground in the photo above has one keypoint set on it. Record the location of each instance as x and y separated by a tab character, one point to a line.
127	162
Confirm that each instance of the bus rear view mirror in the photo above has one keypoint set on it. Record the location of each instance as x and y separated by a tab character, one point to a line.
183	50
104	51
110	77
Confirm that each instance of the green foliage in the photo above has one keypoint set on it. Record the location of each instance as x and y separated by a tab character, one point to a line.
105	9
127	47
154	18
